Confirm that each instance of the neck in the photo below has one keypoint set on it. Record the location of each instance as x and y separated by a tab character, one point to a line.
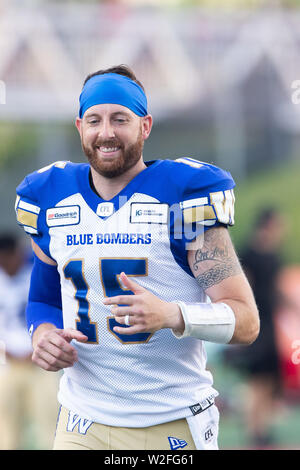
108	188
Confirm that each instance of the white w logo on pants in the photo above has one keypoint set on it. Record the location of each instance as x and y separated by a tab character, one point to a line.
75	420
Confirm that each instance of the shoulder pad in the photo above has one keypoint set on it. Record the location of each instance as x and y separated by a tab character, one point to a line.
207	193
40	188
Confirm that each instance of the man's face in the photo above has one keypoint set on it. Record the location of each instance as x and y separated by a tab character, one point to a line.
11	260
112	137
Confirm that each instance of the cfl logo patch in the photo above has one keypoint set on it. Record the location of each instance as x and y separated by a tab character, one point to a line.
105	209
176	443
208	435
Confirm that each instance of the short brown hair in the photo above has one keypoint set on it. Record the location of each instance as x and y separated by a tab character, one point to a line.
121	70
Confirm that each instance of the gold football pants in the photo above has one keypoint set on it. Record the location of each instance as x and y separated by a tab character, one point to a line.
75	433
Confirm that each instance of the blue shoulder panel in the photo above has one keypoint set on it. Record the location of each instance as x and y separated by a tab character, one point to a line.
200	196
41	190
183	179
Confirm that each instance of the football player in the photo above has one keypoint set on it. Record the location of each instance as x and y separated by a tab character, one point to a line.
134	269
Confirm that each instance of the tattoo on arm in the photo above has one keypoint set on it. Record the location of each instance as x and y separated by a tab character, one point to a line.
217	274
216	260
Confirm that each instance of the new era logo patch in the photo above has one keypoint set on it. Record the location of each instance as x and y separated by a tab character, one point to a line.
176	443
203	405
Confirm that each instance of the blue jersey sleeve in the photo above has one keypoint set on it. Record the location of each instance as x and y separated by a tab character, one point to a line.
27	208
31	216
35	194
38	191
207	199
44	300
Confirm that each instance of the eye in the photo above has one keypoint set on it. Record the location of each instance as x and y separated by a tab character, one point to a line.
120	119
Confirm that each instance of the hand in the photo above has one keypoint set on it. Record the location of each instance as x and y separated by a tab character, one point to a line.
52	350
147	313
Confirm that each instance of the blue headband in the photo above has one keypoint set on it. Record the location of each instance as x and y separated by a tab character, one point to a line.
115	89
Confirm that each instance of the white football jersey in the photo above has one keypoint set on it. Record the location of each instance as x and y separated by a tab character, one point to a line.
143	379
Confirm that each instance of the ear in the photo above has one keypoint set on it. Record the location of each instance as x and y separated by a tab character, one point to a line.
78	123
146	126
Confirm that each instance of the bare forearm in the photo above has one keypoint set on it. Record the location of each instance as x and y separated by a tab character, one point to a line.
217	269
246	321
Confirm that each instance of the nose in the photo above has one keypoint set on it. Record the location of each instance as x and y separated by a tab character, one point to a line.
106	130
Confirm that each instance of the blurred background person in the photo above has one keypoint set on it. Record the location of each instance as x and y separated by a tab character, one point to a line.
287	326
27	396
262	263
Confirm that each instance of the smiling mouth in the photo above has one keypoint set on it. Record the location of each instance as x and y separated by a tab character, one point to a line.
108	150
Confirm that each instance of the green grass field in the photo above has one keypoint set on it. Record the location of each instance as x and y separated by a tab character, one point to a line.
278	188
231	385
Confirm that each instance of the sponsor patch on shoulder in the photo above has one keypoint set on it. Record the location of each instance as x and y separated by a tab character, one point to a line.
149	213
63	215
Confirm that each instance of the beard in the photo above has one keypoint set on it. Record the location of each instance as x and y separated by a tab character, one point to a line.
118	165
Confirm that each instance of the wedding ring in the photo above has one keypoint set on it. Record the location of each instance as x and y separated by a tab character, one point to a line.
126	320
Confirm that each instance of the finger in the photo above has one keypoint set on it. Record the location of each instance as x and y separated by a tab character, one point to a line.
130	284
130	330
122	311
56	351
70	333
121	320
60	342
120	300
44	365
53	361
